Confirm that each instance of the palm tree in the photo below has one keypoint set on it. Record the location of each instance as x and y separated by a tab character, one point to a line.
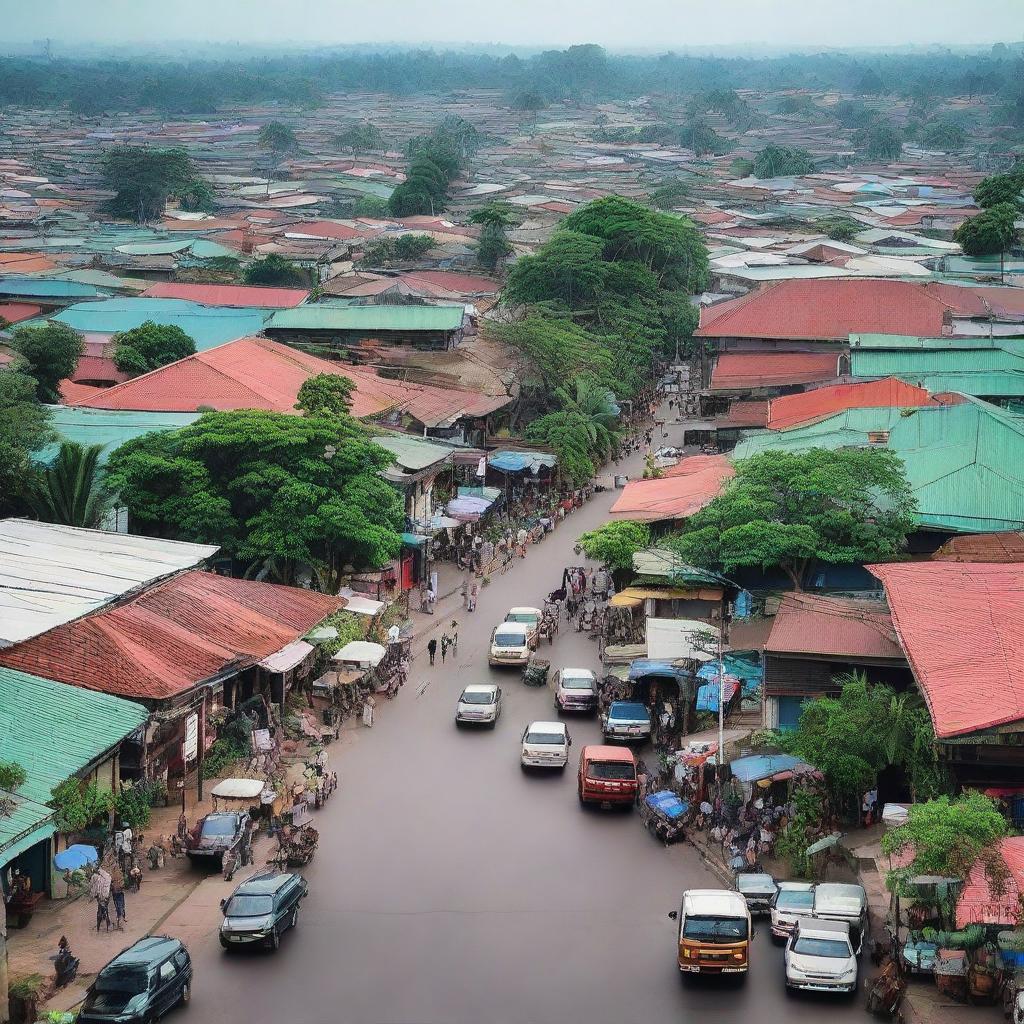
68	491
597	406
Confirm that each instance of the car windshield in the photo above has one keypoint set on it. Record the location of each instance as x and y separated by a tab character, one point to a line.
576	683
217	826
715	929
789	899
509	640
109	1003
249	906
833	948
476	697
123	981
528	617
625	711
611	770
546	737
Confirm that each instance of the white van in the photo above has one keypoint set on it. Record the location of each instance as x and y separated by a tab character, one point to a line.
510	644
545	745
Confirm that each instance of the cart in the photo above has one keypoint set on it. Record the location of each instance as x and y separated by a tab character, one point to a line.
535	672
886	992
296	847
664	813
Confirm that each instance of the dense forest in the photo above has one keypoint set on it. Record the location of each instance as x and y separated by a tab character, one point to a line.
579	72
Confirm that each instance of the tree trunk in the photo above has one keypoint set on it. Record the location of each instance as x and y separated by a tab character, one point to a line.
794	575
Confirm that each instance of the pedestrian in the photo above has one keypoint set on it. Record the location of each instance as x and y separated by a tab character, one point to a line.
117	892
521	538
464	589
445	644
432	648
455	637
473	591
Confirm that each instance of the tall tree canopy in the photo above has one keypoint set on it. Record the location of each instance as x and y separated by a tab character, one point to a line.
144	179
297	491
1000	188
615	544
277	137
788	509
360	137
991	231
879	142
274	269
326	394
782	162
69	491
23	430
51	353
150	346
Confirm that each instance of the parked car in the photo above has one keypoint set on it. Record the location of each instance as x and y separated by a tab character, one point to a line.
529	617
607	776
792	901
545	745
758	890
575	689
140	984
842	901
820	957
510	644
214	833
479	704
261	908
626	720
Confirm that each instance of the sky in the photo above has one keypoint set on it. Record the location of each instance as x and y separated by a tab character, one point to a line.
616	24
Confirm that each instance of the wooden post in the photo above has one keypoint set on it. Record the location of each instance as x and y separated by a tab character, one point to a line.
201	752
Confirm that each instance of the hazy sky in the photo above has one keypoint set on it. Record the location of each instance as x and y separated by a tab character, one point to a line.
658	24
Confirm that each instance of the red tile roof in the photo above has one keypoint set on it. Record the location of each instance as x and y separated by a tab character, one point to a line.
744	371
813	624
829	309
744	414
177	634
962	628
228	294
76	394
101	368
15	312
982	547
978	904
690	487
325	229
793	410
450	281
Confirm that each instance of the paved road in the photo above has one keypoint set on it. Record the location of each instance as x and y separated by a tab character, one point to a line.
450	888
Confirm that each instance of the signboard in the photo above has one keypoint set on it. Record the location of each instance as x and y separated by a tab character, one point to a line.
191	745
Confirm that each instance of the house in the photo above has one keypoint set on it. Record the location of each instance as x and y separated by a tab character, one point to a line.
55	732
961	626
815	639
982	901
228	295
810	406
109	428
185	648
763	373
681	491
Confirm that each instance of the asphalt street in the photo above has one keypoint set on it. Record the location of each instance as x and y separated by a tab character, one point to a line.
452	888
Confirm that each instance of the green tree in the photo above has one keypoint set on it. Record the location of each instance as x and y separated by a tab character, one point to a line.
144	179
741	167
568	268
150	346
879	142
702	138
77	806
23	430
567	434
360	138
69	491
669	194
383	252
997	189
782	162
681	319
528	101
991	231
839	227
944	134
370	206
615	544
326	394
595	405
492	246
197	197
275	270
12	776
276	137
946	836
51	353
788	509
298	492
495	213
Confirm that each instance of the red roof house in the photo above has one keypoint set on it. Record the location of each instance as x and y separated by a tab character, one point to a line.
840	627
15	312
677	496
961	625
979	904
749	371
794	410
228	294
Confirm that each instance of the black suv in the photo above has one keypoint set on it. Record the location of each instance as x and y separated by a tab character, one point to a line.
141	983
261	908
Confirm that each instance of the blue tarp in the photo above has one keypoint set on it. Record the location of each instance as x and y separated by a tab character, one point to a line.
516	462
707	695
666	803
641	667
764	766
737	665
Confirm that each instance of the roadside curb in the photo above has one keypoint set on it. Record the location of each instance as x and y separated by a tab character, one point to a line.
710	862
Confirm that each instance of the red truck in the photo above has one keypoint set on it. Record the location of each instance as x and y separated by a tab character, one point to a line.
607	776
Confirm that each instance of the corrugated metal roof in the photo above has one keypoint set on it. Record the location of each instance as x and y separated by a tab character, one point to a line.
674	497
110	428
792	410
983	547
412	453
54	731
28	823
231	295
51	574
962	628
815	624
15	312
984	902
326	317
745	371
173	636
48	288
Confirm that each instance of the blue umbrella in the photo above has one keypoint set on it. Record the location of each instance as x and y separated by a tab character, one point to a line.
75	857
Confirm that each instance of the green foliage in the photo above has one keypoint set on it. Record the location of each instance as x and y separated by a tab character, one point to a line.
276	137
681	318
144	179
51	353
23	430
669	194
702	138
492	246
134	803
529	100
12	776
782	162
787	509
879	142
76	807
944	134
150	346
275	270
301	490
325	394
349	626
69	491
946	836
614	544
741	167
370	206
991	231
496	213
838	227
853	114
196	197
568	436
569	268
360	138
383	252
435	161
997	189
791	845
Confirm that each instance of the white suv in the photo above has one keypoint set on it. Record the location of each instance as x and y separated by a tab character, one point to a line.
545	745
480	705
820	957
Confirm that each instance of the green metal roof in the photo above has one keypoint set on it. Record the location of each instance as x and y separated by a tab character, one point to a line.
412	453
965	463
47	288
664	564
108	427
903	342
54	730
328	317
27	824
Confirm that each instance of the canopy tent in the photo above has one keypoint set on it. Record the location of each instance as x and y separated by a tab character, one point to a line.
239	789
633	597
361	652
360	604
756	767
468	509
490	493
517	461
75	857
288	657
642	667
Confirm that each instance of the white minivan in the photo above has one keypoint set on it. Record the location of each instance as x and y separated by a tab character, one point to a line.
545	745
511	644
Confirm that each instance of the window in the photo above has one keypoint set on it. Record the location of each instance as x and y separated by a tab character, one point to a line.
878	437
167	970
611	770
838	949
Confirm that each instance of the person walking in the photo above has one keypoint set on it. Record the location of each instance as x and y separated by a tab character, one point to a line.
117	893
446	642
473	591
455	637
432	648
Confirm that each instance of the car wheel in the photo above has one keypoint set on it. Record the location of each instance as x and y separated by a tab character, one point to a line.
186	994
294	923
224	943
274	939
